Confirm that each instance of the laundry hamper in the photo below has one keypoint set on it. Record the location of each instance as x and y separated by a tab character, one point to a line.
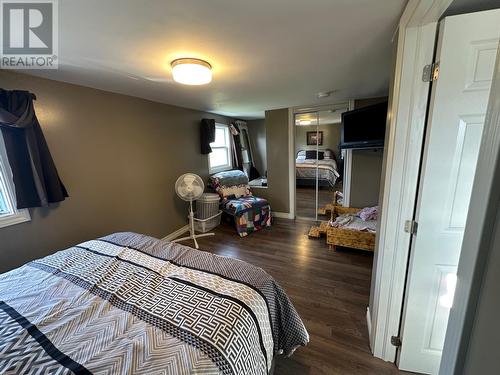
208	214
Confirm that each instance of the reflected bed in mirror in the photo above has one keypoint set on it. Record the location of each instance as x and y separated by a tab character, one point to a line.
318	162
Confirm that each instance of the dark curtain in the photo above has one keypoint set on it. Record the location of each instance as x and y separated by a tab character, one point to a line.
207	135
237	154
35	176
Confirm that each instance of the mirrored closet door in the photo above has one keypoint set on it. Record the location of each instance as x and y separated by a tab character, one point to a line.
318	161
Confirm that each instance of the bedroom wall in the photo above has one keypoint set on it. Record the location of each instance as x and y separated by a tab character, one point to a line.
257	133
366	168
365	177
277	160
118	156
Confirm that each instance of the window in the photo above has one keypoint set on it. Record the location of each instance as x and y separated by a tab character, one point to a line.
220	157
9	214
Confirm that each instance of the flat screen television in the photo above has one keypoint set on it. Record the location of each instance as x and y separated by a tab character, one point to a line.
364	127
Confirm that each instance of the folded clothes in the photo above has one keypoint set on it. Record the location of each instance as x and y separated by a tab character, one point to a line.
342	220
369	213
354	222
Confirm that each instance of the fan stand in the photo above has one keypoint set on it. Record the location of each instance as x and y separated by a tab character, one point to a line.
192	235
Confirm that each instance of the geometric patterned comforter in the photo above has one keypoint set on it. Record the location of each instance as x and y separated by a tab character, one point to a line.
132	304
324	170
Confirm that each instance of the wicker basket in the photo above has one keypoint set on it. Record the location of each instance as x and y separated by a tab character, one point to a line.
354	239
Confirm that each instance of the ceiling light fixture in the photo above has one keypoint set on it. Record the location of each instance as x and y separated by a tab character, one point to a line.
324	94
189	71
305	122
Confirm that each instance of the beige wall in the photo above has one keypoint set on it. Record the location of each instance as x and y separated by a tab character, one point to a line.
366	168
365	177
257	133
277	160
119	158
331	137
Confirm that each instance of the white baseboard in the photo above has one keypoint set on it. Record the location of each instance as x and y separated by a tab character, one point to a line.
369	324
177	233
282	215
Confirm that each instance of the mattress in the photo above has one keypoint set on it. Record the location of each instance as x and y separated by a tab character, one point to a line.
326	170
131	304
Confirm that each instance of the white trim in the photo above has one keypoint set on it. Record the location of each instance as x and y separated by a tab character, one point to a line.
416	39
323	107
228	166
177	233
291	163
283	215
346	179
20	216
16	216
369	324
478	238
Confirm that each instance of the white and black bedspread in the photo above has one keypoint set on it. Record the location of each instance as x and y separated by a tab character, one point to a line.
131	304
325	170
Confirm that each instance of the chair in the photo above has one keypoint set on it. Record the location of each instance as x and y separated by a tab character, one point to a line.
248	212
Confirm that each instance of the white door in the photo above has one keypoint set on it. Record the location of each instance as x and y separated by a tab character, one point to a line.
466	53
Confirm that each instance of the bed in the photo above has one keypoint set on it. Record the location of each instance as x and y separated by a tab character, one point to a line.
306	165
131	304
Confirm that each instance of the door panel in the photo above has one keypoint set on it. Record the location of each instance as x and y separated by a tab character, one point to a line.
464	161
466	53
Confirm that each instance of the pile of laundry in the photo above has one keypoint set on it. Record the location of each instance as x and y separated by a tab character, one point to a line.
365	220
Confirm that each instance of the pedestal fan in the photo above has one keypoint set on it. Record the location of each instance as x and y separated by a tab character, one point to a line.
189	187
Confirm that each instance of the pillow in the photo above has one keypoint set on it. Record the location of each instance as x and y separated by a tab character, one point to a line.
311	154
301	154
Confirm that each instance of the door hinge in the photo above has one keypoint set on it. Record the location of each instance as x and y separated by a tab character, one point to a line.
411	226
396	341
430	72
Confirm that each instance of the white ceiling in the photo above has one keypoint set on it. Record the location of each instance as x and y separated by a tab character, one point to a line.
265	53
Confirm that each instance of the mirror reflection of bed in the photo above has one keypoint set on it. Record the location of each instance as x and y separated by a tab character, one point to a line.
328	181
318	162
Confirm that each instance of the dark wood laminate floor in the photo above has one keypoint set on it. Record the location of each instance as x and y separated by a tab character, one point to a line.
305	198
330	291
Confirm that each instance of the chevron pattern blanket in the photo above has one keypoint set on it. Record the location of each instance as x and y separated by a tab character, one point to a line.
131	304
